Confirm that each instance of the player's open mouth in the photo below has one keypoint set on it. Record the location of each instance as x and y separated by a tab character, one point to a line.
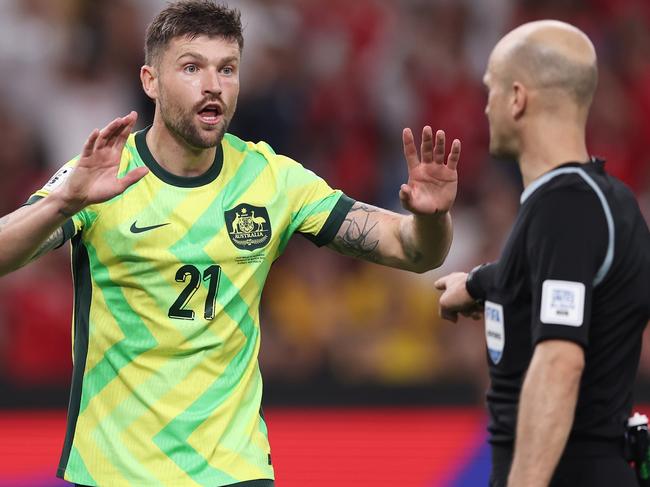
210	114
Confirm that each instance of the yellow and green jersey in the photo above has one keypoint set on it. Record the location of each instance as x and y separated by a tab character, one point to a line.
168	276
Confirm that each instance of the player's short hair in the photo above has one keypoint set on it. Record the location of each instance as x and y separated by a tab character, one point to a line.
191	18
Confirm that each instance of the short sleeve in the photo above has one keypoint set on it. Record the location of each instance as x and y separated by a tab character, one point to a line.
566	245
317	210
75	224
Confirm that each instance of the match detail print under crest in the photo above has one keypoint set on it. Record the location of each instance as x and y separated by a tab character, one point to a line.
249	227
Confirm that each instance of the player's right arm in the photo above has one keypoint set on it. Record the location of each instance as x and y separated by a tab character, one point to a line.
417	242
35	229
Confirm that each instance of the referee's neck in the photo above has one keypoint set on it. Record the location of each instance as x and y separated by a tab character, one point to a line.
549	147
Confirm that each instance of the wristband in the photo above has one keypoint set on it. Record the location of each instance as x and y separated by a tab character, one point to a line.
473	284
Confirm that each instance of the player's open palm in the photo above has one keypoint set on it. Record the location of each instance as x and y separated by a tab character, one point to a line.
432	183
94	179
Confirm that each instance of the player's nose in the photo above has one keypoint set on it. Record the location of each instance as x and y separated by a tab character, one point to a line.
211	83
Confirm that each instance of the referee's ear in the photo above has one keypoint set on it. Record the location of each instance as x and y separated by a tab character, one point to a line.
149	79
519	100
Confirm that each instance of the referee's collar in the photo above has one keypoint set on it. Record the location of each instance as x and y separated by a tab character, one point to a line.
566	168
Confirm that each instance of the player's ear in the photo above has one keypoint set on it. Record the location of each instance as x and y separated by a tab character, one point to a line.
149	78
518	100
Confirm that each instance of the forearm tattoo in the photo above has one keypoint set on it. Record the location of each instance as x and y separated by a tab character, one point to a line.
52	242
356	237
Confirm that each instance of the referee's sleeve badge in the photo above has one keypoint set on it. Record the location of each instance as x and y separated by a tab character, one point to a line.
495	335
563	303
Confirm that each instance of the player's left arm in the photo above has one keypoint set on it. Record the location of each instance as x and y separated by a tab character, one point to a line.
567	244
417	242
546	408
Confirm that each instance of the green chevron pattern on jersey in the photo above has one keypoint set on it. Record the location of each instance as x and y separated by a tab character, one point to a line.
167	390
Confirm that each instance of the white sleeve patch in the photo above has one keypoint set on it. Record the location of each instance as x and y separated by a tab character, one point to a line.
495	335
563	303
58	179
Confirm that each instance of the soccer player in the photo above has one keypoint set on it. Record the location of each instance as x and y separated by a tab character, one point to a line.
173	230
566	303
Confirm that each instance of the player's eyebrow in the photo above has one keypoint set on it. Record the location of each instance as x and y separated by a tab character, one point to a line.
230	59
202	58
193	54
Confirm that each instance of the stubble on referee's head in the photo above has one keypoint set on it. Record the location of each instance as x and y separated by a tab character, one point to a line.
541	72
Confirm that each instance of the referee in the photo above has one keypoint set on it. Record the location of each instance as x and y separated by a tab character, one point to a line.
566	304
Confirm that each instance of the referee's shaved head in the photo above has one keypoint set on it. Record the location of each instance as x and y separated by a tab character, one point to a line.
548	54
541	78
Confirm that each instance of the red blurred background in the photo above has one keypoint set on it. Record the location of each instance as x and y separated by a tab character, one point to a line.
330	83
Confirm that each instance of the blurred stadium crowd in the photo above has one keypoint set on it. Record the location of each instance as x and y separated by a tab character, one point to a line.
330	83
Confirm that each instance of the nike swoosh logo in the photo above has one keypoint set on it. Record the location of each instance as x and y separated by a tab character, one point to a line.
136	229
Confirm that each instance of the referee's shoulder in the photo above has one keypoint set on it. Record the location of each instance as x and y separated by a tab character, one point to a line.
569	199
564	187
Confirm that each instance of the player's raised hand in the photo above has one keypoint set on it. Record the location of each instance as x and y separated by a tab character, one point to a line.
432	183
94	178
455	298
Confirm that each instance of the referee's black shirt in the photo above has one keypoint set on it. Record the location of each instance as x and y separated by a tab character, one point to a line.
576	267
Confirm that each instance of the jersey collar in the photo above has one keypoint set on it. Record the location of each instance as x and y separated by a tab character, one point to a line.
173	179
546	177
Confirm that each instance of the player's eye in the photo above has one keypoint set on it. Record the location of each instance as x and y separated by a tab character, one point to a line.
228	70
190	68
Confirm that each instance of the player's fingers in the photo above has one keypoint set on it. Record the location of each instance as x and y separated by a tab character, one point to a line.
405	197
132	116
118	139
454	154
426	148
122	137
410	152
405	192
130	119
439	148
107	133
123	122
132	177
116	136
89	146
441	283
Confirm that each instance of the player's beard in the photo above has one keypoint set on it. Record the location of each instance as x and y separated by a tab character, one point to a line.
182	123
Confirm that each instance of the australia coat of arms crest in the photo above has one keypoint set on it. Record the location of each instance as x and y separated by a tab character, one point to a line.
249	227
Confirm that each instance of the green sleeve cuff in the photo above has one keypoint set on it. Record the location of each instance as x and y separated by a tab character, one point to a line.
67	227
32	199
333	222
